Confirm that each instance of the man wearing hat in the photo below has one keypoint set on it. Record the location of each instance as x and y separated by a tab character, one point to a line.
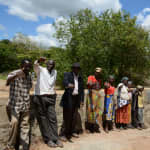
72	98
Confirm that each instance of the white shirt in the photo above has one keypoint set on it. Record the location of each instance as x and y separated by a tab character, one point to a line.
45	80
75	91
124	92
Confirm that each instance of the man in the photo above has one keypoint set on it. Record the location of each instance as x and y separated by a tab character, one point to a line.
18	107
45	99
71	99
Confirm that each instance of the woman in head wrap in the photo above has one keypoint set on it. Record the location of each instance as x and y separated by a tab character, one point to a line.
93	102
122	117
108	103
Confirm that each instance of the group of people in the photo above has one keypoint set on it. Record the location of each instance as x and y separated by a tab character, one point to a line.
121	110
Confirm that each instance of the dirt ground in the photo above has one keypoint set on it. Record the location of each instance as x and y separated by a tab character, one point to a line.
131	139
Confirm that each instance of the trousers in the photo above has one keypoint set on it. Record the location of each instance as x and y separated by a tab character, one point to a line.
46	116
69	117
19	131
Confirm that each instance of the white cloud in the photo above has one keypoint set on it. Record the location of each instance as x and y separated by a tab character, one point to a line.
2	28
44	36
144	18
22	13
32	9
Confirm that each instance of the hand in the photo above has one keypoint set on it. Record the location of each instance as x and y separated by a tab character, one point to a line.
70	85
42	59
82	104
120	87
130	101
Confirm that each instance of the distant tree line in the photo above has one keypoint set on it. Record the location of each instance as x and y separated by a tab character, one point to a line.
110	40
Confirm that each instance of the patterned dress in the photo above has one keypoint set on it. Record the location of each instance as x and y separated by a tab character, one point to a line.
93	102
122	115
108	103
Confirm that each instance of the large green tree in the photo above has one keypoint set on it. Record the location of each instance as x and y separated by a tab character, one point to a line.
113	41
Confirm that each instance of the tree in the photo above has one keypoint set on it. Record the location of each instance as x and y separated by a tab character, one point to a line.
7	56
110	40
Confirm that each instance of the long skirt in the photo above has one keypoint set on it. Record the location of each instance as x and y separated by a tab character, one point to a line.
94	107
122	115
108	108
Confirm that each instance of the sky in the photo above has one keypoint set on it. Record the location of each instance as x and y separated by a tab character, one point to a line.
34	18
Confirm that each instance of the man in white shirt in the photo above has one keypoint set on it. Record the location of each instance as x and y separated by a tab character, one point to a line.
44	100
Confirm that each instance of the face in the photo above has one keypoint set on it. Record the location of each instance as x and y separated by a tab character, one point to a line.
27	67
50	65
125	82
76	70
129	85
141	90
111	80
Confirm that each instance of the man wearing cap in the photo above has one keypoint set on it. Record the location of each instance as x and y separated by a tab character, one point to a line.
72	98
44	100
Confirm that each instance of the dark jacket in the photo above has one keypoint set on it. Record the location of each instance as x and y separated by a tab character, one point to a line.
66	100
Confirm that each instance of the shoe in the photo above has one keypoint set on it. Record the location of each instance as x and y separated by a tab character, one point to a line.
130	126
51	144
63	138
143	126
106	130
121	128
69	140
59	144
75	135
139	128
98	131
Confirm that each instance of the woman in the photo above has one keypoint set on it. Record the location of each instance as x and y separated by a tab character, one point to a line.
93	102
108	103
122	117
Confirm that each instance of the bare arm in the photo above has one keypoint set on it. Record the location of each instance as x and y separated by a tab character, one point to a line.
37	64
10	79
13	75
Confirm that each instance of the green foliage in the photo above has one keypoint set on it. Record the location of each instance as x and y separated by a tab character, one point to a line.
3	76
110	40
7	56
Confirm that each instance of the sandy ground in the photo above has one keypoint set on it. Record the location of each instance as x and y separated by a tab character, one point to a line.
131	139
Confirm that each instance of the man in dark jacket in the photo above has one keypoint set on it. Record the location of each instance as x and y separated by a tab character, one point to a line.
72	98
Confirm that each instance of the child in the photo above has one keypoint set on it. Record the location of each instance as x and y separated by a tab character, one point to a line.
130	92
138	107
